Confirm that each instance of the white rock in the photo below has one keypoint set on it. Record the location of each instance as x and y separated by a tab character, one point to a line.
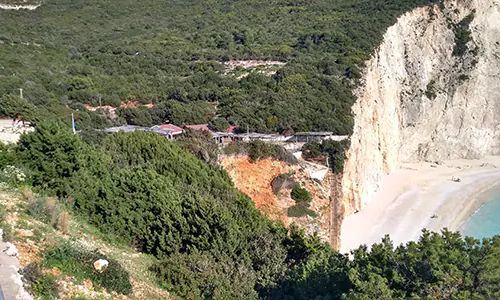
101	265
10	249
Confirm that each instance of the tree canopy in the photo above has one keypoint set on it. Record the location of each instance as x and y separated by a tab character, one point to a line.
171	53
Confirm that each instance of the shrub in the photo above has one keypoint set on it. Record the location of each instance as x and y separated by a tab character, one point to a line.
236	147
51	152
312	150
7	155
219	124
258	150
42	285
431	90
334	149
62	222
463	36
28	195
76	261
6	228
204	276
12	175
43	208
301	195
136	116
261	150
300	210
200	144
48	210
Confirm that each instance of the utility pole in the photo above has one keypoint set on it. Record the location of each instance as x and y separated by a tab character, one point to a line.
21	93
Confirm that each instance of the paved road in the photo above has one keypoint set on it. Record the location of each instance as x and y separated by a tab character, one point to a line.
10	280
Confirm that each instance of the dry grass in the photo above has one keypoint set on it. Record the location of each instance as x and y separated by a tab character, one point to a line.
44	214
28	195
63	221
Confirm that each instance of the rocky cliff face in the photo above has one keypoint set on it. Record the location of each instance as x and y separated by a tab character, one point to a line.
431	92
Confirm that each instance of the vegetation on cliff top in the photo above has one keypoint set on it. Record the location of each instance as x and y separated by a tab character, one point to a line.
169	53
210	241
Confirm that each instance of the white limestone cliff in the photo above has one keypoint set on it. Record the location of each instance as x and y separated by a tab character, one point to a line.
419	101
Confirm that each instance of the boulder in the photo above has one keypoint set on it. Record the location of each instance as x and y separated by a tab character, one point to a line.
100	265
10	249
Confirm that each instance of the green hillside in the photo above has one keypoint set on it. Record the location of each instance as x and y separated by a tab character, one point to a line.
140	192
79	51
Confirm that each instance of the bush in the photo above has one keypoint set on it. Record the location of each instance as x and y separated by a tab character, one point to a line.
431	90
42	285
463	36
261	150
258	150
12	175
7	155
148	190
76	261
300	210
236	147
334	149
204	276
312	150
51	152
6	228
50	211
28	195
201	144
301	195
219	124
136	116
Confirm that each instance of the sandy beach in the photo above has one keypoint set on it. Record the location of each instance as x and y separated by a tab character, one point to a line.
410	196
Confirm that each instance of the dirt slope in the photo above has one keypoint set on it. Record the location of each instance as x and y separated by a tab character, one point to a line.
254	179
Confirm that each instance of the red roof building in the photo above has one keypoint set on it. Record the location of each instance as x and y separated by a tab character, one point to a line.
232	129
203	127
175	130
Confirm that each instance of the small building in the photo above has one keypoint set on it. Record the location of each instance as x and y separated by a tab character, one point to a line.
165	132
174	129
232	129
261	136
202	127
126	128
304	137
223	138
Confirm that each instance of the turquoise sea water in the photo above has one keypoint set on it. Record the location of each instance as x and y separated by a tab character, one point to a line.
486	221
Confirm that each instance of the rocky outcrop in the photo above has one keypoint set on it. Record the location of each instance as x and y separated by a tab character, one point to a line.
18	7
429	93
20	4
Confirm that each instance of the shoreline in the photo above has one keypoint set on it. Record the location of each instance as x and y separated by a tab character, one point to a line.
410	196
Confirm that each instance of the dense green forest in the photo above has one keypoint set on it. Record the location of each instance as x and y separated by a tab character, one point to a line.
170	52
212	243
